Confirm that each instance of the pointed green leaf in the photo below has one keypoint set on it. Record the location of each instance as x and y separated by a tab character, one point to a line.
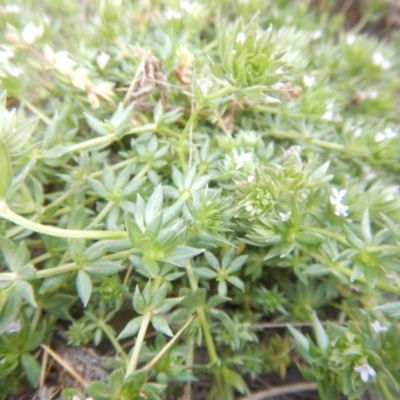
153	205
31	368
134	232
139	304
366	227
5	170
182	252
84	286
26	292
302	344
320	334
160	324
131	328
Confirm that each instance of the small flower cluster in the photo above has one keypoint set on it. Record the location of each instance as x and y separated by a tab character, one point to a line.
336	201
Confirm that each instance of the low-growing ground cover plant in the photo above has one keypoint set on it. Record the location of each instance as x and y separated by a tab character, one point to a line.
202	191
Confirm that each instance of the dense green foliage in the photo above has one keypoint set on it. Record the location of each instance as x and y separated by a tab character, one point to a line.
175	168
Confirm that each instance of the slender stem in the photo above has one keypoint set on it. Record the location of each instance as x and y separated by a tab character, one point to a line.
337	236
348	273
36	318
212	352
62	269
107	208
41	258
382	386
184	135
138	344
108	332
36	111
105	140
8	214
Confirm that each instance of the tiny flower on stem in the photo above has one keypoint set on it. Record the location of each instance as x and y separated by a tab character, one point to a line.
240	38
336	200
378	328
365	371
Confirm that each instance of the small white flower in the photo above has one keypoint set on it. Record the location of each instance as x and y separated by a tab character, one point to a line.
336	200
370	174
10	9
328	114
242	158
357	132
240	38
80	78
172	14
249	208
365	371
251	179
350	39
102	59
380	61
14	71
278	85
378	328
5	55
31	32
308	80
316	34
285	216
380	137
13	327
62	62
388	133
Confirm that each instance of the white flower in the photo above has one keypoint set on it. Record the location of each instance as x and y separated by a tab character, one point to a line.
328	114
102	59
380	61
10	9
14	71
13	327
61	61
251	179
242	158
172	14
358	132
316	34
350	39
366	371
5	55
278	85
285	216
240	38
31	32
378	328
388	133
308	80
249	208
336	200
80	78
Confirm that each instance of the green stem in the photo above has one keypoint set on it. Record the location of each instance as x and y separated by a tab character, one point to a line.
212	352
107	208
338	237
348	273
138	344
8	214
382	386
109	333
105	140
70	267
183	138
